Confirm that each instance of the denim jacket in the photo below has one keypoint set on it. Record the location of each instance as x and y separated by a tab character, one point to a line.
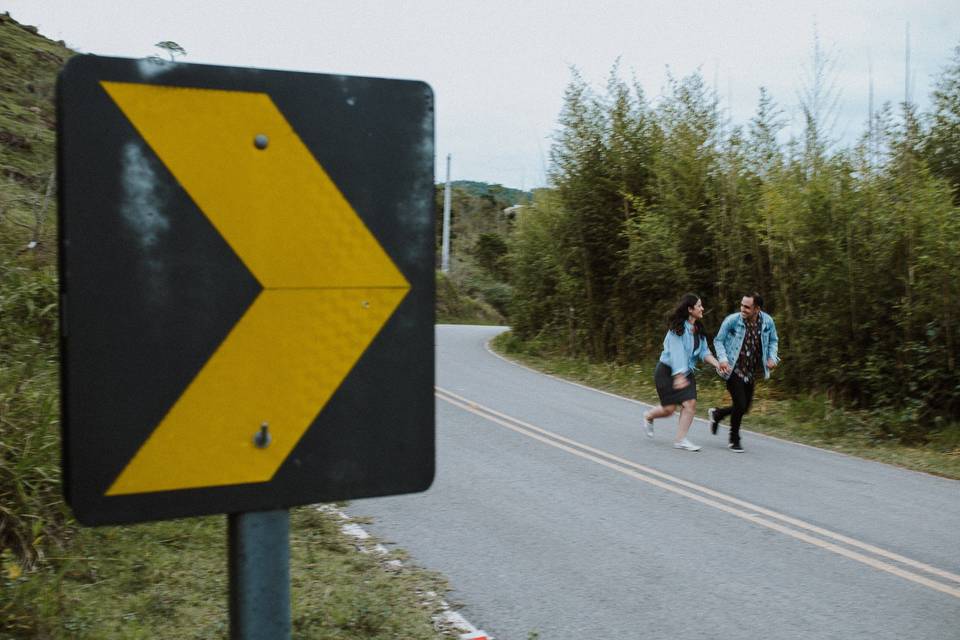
678	352
730	338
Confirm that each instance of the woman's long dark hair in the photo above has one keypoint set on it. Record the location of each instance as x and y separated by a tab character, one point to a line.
681	312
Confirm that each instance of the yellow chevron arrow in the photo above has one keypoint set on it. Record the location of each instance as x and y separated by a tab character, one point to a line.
328	286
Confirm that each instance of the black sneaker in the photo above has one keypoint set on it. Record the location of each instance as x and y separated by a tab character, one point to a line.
714	423
736	448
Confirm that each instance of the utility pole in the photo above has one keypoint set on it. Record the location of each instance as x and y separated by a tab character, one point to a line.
445	249
871	134
906	68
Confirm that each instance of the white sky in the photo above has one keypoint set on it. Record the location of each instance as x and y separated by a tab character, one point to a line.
498	68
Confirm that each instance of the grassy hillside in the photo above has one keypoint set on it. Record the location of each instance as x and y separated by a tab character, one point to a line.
28	67
31	513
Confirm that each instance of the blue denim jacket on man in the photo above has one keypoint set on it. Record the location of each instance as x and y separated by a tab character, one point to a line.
730	338
678	352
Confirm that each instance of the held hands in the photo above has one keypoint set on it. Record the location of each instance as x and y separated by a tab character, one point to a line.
771	364
721	367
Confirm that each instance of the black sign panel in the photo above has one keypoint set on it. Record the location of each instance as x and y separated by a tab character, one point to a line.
247	288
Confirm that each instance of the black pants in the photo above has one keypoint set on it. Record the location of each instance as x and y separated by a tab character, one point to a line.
742	395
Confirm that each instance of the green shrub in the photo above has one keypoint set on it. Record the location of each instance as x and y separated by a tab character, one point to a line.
947	439
455	306
497	294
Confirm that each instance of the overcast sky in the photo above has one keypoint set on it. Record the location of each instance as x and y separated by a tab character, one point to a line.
498	68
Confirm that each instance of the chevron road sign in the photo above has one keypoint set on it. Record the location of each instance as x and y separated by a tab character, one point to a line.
247	288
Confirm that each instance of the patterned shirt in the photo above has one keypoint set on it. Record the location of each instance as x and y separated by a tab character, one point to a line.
748	362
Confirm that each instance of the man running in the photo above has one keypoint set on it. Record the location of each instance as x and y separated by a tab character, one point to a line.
751	337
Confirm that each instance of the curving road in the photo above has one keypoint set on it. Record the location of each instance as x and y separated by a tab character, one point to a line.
552	513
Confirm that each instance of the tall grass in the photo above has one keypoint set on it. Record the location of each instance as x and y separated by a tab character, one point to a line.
32	515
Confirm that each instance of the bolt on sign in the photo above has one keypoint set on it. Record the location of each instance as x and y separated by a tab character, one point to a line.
247	288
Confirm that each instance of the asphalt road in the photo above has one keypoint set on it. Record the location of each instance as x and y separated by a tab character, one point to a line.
552	513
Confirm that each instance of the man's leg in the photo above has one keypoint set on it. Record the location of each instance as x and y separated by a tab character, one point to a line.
748	388
742	394
717	414
720	413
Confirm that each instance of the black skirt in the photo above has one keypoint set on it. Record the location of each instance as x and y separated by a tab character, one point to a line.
663	378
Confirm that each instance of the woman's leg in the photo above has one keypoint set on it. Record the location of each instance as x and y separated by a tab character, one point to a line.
688	408
660	412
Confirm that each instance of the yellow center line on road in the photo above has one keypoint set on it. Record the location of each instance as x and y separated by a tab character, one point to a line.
748	511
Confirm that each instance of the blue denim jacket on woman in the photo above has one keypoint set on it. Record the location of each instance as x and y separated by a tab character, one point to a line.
730	338
678	352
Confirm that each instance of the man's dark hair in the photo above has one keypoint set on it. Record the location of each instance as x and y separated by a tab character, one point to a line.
757	298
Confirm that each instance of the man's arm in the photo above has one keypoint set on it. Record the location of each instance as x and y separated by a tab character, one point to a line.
773	344
725	327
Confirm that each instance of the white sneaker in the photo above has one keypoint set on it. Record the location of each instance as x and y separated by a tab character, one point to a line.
686	444
648	426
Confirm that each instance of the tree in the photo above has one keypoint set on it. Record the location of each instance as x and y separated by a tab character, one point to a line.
686	191
547	285
818	100
172	48
855	249
587	185
489	251
942	144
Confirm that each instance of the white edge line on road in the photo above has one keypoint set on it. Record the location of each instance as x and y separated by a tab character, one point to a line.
617	464
489	350
447	615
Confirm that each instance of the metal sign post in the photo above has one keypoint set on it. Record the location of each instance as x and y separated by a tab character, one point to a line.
259	565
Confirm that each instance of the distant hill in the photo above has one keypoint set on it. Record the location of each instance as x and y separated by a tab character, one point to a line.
481	189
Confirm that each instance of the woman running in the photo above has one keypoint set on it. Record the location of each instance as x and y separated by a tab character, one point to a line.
684	344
